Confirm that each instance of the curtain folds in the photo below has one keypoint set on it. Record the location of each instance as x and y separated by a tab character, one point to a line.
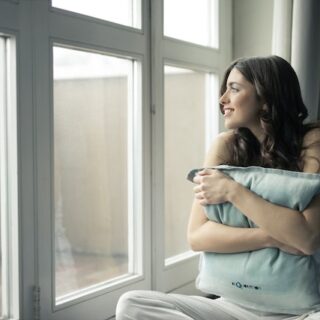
296	37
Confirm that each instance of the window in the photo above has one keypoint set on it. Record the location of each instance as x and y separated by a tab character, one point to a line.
113	105
185	89
93	171
126	12
186	108
195	21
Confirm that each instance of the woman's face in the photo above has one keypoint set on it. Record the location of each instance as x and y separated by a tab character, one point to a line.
241	106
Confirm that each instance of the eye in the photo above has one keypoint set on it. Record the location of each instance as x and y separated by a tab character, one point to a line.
233	89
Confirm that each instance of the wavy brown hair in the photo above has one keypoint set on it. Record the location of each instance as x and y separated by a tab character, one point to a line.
277	84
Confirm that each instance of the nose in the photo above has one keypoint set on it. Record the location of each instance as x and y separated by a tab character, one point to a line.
224	98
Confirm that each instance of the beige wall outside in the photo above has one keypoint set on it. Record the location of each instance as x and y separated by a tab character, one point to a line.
90	161
184	150
90	164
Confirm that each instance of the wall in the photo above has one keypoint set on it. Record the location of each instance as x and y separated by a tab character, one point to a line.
91	137
252	27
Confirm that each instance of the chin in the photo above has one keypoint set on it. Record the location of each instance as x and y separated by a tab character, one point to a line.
231	125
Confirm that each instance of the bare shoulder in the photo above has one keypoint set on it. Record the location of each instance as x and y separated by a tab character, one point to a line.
220	151
311	137
311	151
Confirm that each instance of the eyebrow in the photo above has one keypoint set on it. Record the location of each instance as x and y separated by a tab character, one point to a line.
233	82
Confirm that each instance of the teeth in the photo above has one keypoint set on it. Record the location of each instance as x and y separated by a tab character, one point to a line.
227	111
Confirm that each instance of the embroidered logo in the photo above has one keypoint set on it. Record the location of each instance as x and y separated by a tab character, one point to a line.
245	286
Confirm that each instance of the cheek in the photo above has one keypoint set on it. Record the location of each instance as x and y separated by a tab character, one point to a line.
243	116
248	109
251	113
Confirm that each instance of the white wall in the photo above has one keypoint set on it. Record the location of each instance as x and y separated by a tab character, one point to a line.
252	27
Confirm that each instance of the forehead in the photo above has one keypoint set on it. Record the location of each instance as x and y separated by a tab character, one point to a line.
236	76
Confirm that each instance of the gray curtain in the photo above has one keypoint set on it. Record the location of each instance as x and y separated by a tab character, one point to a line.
299	21
305	55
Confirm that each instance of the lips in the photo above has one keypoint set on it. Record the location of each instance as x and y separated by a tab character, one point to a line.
227	111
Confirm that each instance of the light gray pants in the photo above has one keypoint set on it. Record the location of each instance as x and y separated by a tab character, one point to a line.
153	305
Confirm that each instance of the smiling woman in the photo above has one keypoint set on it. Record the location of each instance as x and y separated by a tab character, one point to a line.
268	108
264	112
266	121
240	104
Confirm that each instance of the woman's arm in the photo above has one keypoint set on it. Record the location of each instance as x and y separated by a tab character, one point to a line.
300	230
205	235
209	236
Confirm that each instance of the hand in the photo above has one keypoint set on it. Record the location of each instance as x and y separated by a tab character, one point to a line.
213	186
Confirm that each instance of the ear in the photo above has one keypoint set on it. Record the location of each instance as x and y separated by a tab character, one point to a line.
264	111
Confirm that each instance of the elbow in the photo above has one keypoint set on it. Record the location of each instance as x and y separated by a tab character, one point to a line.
193	242
311	245
308	251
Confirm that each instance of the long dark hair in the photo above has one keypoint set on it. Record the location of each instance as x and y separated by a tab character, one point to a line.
277	84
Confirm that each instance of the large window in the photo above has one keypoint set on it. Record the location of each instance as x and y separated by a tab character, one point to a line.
115	102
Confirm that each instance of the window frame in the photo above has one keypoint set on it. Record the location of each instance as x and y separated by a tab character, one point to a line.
36	26
138	28
178	276
135	192
75	31
10	225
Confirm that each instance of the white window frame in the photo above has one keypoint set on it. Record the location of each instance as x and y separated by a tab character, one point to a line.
9	179
55	27
180	273
36	27
134	163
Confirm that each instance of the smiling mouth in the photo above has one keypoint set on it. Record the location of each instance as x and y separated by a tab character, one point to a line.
227	111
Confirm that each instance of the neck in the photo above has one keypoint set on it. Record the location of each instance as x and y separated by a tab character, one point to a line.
258	133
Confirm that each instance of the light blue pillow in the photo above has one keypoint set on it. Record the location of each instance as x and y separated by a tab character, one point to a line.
267	279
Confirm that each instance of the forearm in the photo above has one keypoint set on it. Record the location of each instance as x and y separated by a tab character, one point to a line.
215	237
284	224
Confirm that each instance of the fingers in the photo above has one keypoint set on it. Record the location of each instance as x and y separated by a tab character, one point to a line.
205	171
200	196
200	190
198	178
203	202
199	193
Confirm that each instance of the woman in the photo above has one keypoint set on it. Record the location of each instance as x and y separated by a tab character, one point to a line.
264	112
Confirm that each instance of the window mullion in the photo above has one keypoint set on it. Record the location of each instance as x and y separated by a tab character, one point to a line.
8	177
3	178
12	181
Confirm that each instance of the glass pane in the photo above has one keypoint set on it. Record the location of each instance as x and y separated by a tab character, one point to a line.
91	98
185	133
126	12
194	21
